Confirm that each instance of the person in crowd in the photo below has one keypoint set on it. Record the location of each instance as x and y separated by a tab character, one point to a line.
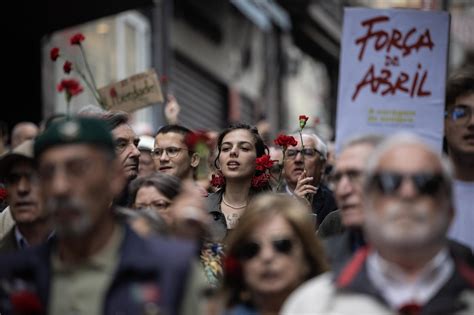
126	147
409	268
459	137
146	165
22	131
271	252
342	229
303	174
276	154
171	153
96	264
32	222
156	192
238	147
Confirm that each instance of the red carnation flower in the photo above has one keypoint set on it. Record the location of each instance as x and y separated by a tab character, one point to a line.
410	309
26	302
193	139
113	92
260	181
3	194
217	180
285	141
54	53
71	86
232	267
77	39
263	162
303	119
67	67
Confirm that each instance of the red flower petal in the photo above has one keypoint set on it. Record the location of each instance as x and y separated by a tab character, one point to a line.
217	180
54	53
67	67
77	39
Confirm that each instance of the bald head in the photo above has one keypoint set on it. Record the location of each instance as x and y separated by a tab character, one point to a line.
22	131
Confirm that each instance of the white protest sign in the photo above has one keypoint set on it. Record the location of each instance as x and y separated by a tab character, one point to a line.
132	93
392	73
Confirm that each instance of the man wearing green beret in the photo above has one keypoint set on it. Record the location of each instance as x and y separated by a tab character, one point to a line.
97	264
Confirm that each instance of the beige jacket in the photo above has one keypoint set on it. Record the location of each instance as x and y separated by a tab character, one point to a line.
6	222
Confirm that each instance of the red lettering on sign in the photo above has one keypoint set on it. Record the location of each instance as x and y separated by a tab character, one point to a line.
386	40
385	84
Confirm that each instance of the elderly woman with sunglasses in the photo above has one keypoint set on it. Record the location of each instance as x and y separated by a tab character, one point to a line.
271	252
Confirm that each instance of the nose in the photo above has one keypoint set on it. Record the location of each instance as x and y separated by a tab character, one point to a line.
60	183
24	185
267	253
234	151
135	152
164	156
407	189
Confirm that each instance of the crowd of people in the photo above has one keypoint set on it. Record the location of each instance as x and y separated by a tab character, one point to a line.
99	219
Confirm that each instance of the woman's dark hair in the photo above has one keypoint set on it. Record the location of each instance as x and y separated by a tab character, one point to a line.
260	147
166	184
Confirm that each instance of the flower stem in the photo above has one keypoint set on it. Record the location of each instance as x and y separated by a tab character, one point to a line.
99	99
281	170
309	197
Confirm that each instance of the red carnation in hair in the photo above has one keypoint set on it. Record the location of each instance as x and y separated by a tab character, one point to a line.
263	162
217	180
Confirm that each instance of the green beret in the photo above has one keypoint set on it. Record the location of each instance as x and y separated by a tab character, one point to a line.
80	130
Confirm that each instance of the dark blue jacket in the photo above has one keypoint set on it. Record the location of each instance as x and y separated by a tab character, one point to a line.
160	266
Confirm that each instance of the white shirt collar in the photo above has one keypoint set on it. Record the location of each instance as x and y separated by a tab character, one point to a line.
395	285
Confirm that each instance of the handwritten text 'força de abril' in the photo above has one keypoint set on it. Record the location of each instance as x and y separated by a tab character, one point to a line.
392	42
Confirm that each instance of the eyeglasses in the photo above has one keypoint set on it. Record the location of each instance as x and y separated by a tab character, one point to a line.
159	205
250	250
352	176
309	152
459	114
170	152
388	183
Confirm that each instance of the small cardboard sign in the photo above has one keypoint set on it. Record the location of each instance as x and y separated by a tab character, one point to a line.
139	90
392	73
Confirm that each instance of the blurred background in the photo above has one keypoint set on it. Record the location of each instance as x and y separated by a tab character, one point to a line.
224	61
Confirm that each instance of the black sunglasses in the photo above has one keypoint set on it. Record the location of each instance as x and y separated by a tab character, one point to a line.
250	250
388	183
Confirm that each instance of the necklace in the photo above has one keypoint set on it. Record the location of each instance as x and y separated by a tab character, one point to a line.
233	207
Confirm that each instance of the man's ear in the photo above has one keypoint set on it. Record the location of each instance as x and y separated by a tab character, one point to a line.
195	158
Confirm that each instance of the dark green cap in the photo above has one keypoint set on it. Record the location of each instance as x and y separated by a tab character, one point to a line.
78	130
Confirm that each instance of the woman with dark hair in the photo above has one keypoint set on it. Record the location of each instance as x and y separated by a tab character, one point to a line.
238	150
272	251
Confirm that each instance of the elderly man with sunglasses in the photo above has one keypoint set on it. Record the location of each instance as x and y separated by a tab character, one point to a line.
303	169
459	135
409	267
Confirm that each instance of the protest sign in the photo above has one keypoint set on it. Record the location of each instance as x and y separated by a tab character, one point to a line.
392	73
137	91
